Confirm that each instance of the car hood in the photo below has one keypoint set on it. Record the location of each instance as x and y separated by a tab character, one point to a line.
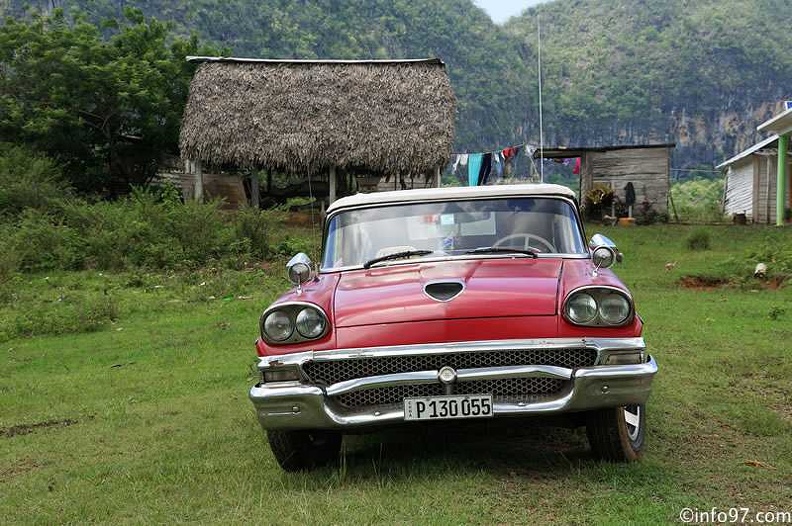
491	288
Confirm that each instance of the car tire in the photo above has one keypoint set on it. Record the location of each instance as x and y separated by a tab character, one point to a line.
617	434
300	450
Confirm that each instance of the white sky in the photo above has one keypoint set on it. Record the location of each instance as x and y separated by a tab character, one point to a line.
500	10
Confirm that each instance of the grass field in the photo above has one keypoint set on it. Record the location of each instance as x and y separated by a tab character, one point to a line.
123	399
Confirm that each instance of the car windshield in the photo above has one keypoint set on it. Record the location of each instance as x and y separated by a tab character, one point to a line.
542	225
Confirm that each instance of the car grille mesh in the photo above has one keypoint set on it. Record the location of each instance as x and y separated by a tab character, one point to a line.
515	390
334	371
511	390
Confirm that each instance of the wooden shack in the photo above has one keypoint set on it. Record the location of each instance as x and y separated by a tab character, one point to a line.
338	125
647	167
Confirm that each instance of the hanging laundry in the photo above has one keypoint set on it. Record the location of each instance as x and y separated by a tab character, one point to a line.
486	169
576	169
460	160
509	156
497	163
474	167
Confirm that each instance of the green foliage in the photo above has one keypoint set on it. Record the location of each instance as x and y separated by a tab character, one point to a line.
28	180
698	239
141	231
106	107
699	200
613	71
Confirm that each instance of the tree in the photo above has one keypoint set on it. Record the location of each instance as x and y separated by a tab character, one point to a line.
104	102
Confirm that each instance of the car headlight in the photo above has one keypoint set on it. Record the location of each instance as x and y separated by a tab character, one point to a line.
277	326
614	309
581	308
310	323
287	323
598	306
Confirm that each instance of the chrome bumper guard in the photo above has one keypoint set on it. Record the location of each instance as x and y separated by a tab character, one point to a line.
296	405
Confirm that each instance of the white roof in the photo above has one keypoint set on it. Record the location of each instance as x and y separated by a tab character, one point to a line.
451	193
780	124
749	151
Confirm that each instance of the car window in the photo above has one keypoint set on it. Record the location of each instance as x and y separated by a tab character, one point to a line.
546	225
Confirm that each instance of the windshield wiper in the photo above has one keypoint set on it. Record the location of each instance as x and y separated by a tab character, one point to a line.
505	250
397	255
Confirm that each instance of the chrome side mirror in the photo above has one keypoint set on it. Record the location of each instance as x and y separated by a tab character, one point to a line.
604	252
299	269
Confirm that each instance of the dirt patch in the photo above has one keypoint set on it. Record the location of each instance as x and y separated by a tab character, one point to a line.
23	466
24	429
703	282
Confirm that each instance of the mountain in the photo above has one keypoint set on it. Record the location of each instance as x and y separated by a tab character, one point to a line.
701	73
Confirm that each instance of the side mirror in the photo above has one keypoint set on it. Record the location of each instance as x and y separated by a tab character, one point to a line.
604	252
299	269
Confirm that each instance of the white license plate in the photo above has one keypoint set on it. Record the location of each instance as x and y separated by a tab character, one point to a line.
442	407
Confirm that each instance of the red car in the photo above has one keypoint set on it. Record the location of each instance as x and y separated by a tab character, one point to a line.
452	303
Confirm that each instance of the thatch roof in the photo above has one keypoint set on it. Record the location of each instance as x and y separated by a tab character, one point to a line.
381	116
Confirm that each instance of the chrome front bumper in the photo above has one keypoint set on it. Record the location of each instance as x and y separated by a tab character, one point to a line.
295	405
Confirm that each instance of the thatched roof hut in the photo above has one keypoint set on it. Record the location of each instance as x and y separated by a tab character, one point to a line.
384	117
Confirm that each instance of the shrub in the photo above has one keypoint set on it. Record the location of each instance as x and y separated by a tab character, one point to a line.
699	200
41	242
28	180
699	239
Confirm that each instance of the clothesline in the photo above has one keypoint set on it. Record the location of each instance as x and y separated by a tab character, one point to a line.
498	149
481	165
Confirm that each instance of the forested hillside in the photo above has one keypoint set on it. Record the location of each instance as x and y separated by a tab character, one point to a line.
702	74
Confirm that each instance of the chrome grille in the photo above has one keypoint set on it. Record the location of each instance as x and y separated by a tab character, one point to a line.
334	371
511	390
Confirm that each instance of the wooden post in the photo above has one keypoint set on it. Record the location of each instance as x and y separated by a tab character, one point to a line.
332	181
198	175
437	177
255	200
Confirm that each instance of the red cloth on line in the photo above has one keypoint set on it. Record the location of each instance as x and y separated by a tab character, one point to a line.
576	169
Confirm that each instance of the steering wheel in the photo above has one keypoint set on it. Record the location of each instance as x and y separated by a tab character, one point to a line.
526	242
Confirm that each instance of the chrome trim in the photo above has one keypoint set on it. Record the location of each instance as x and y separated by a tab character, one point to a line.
463	375
444	281
289	406
307	407
599	344
623	292
292	308
455	257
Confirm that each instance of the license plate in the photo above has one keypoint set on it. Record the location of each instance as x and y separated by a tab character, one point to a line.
443	407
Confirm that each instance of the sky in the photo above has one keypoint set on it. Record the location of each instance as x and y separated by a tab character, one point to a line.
500	10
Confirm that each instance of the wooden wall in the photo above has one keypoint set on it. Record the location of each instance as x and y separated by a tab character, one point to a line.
648	169
739	188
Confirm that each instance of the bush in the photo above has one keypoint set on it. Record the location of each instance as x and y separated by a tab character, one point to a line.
41	242
698	240
699	200
28	180
256	226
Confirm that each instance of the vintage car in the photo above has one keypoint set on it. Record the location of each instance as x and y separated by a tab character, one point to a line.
452	303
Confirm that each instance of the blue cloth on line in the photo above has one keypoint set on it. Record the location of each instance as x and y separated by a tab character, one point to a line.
474	167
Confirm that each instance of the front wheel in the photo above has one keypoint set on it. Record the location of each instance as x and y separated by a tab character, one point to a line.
299	450
617	434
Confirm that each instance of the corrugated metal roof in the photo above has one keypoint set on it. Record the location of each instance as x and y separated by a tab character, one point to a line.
749	151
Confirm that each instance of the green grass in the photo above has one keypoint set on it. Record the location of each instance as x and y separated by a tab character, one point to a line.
145	418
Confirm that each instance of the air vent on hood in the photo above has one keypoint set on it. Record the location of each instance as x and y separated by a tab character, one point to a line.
443	290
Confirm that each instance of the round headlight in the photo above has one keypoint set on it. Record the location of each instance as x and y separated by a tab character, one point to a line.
278	326
310	323
581	308
614	309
